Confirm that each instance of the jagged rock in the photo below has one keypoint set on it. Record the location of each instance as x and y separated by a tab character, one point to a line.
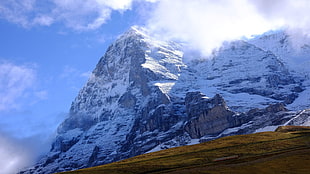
93	156
127	100
208	116
274	108
63	145
196	103
302	118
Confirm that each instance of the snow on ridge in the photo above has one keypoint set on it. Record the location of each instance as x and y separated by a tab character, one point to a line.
165	87
267	128
295	56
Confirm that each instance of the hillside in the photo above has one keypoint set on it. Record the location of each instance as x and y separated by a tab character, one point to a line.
287	150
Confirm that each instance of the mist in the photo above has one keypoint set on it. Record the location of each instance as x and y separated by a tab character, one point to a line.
15	155
20	153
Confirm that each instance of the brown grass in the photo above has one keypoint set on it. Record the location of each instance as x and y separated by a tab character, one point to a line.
268	152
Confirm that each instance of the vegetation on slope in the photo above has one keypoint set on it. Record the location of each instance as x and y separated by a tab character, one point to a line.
287	150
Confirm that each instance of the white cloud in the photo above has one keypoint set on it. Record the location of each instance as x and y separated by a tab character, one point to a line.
116	4
153	1
206	24
15	11
20	153
86	74
293	13
86	15
18	86
14	155
14	82
43	20
79	15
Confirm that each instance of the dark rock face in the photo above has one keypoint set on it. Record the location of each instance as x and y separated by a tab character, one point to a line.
93	157
300	118
274	108
196	103
127	100
207	116
63	145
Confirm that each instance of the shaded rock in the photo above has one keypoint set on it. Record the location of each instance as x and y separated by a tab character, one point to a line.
208	116
93	156
127	100
274	108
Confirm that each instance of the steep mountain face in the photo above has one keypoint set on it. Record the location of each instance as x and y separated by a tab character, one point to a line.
143	97
241	71
294	51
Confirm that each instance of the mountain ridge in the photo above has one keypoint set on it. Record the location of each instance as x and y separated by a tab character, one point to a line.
143	97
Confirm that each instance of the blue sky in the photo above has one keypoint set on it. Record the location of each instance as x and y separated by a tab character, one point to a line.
49	47
42	68
59	60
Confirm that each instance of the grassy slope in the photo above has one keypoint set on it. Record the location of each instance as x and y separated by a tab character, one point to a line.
285	151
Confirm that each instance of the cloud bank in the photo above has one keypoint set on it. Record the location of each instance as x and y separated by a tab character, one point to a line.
78	15
14	155
292	13
20	153
206	24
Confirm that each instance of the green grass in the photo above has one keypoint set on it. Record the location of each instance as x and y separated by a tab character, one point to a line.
286	150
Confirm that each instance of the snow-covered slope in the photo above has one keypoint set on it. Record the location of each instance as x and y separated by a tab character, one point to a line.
246	76
294	52
143	97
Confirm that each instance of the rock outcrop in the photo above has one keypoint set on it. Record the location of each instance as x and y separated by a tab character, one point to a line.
207	116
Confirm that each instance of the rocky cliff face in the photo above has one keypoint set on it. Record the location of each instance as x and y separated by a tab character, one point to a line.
207	116
143	97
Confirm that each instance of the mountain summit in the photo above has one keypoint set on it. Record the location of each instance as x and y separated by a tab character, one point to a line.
143	97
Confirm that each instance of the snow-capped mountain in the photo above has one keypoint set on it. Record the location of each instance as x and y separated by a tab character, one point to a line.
142	97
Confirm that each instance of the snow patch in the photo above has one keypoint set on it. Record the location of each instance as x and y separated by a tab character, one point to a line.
165	87
267	128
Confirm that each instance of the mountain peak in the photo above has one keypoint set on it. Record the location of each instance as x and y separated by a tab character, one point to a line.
134	31
140	98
